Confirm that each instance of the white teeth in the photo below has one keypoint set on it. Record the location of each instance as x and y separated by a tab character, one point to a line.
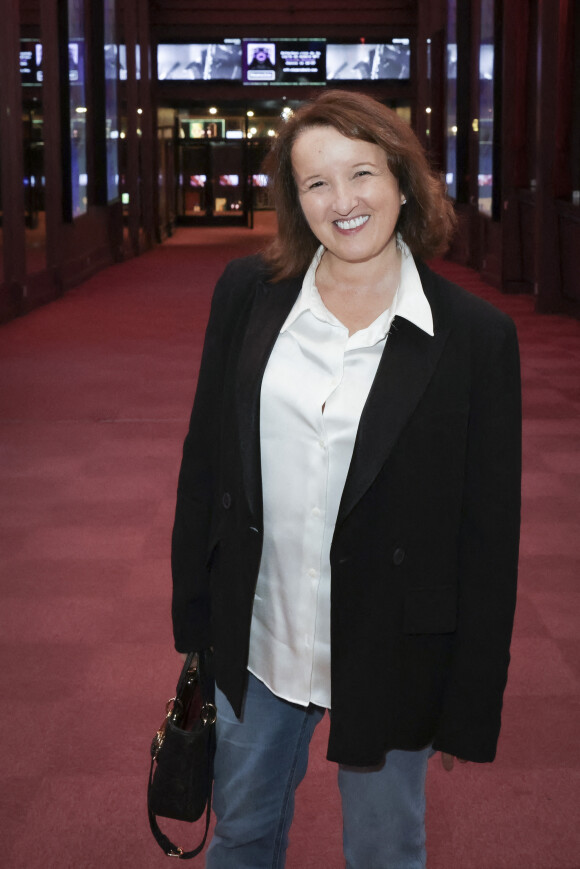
352	224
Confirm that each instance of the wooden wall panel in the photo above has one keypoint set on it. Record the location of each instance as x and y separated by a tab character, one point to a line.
29	13
569	242
12	280
228	15
518	205
562	174
547	284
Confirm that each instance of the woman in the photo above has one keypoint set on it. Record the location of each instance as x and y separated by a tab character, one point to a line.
346	535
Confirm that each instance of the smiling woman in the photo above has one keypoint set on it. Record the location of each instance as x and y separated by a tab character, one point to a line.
347	519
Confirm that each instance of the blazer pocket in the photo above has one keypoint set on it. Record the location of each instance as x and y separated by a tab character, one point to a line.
430	610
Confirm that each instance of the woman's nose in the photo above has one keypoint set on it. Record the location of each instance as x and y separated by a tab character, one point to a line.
344	199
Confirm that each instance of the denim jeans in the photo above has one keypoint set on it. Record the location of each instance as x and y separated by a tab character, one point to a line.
260	761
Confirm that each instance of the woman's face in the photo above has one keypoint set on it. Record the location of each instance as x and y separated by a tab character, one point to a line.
349	196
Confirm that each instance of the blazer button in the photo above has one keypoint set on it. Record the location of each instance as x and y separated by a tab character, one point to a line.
226	500
398	556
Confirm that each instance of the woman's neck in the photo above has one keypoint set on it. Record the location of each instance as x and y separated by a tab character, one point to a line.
358	293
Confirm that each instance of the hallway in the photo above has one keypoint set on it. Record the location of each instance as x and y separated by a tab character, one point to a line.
95	397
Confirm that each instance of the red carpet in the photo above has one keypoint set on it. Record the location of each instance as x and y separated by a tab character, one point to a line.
96	391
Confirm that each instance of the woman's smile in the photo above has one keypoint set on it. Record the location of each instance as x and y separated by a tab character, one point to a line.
352	225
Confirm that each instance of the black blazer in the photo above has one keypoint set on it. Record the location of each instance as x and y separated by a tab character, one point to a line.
425	551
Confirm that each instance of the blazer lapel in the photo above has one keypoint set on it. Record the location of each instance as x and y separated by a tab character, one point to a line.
405	369
272	304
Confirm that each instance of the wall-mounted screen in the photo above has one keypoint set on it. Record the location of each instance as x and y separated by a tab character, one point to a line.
204	129
365	61
123	62
31	62
76	66
216	61
110	56
77	113
30	58
284	61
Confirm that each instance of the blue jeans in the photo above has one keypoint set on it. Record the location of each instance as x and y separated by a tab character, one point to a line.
260	761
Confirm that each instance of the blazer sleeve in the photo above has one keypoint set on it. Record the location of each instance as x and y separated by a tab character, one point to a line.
197	483
488	552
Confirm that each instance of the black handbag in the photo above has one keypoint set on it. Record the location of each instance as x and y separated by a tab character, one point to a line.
182	751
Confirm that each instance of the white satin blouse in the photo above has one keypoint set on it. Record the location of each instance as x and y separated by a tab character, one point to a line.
313	393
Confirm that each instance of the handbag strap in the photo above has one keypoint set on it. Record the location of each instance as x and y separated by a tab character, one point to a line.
208	695
187	665
206	677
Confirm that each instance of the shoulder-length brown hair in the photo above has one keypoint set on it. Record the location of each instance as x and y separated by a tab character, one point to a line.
426	221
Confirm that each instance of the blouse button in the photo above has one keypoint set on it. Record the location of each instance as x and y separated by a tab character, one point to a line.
398	556
226	500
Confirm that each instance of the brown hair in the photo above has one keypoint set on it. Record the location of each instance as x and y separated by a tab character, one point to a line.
426	221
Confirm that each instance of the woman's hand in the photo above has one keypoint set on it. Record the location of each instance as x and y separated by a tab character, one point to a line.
183	655
448	760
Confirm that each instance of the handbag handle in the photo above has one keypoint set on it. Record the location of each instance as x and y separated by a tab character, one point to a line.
208	693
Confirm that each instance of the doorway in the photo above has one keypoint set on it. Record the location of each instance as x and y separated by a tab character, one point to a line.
212	182
210	161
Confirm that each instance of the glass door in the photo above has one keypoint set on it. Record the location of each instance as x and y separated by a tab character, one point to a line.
212	184
194	199
228	179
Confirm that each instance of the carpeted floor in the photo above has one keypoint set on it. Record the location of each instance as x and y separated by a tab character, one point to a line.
96	392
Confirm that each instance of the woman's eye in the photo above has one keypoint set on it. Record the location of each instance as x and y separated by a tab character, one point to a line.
362	172
316	184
